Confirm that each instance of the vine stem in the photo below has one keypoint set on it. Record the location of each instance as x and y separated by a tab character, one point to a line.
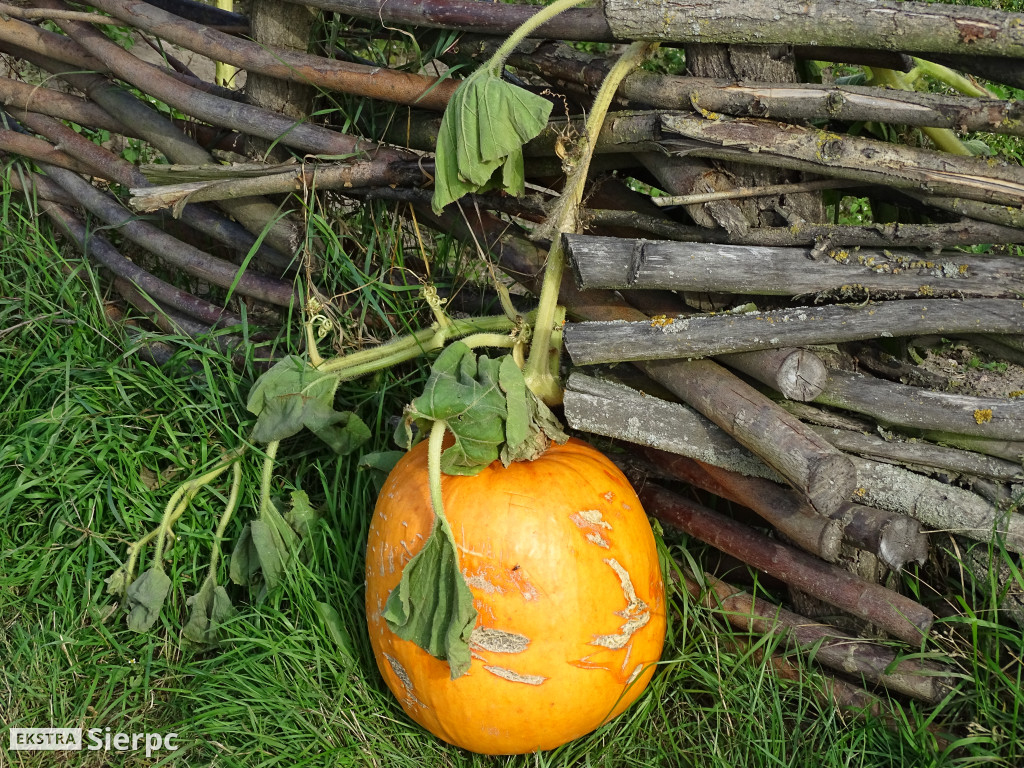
268	474
538	371
943	138
179	503
497	61
222	524
435	442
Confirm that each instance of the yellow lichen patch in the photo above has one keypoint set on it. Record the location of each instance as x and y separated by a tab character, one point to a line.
660	321
1017	393
983	415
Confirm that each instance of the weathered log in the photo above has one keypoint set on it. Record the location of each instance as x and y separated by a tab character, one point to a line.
780	101
906	407
764	142
820	472
826	645
922	456
706	335
796	373
893	613
613	410
321	176
618	263
938	505
895	539
882	25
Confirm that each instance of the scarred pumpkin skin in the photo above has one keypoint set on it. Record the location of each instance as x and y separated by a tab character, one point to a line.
564	572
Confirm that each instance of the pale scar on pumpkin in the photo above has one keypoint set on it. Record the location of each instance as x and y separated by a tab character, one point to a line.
591	523
498	640
403	677
636	613
515	677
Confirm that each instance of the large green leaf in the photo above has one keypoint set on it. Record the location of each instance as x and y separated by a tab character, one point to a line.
146	597
484	127
465	392
432	606
211	608
294	395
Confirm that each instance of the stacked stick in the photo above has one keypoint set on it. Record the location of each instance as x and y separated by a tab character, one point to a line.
848	457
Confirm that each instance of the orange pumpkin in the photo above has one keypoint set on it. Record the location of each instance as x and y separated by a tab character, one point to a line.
564	573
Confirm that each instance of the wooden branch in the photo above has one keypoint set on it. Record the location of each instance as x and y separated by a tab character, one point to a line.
883	24
620	412
816	469
18	97
794	102
284	64
891	612
938	505
18	12
921	456
590	343
826	645
908	407
796	373
23	145
783	508
322	176
170	249
618	263
242	117
893	538
765	142
96	246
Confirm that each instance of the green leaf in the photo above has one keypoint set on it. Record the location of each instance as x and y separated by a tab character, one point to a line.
380	464
274	541
146	597
211	608
293	395
336	629
484	127
301	516
245	561
464	391
432	606
117	582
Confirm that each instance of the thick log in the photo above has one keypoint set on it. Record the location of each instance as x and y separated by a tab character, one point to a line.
906	407
820	472
895	614
828	646
895	539
590	343
619	263
883	24
796	373
765	142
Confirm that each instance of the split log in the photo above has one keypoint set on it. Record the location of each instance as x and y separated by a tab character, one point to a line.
796	373
895	614
591	343
618	263
826	645
913	408
764	142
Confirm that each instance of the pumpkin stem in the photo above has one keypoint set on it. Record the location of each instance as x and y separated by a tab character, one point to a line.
436	441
